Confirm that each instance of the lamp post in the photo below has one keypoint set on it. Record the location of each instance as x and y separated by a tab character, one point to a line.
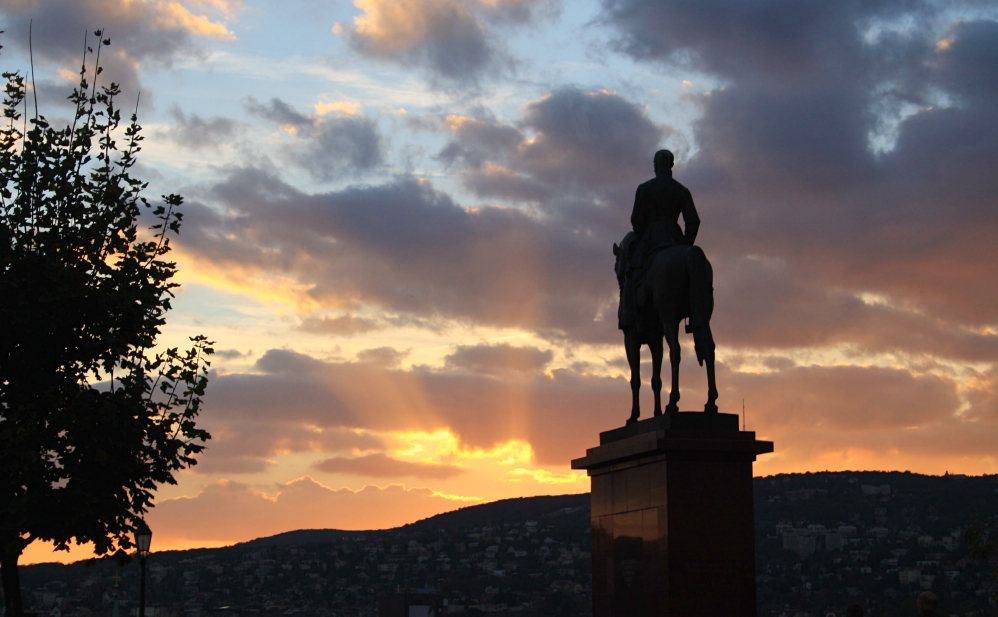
143	539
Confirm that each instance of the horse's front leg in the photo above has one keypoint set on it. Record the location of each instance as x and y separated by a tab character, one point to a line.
672	338
656	372
632	346
711	406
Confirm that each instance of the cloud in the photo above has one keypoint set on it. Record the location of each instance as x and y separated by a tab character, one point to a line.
578	143
328	148
299	504
407	251
492	359
384	356
771	304
451	39
231	354
344	325
811	411
248	446
850	399
197	133
278	112
847	144
381	466
340	146
546	477
155	32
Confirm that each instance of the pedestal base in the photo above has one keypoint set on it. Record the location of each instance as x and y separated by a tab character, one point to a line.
672	517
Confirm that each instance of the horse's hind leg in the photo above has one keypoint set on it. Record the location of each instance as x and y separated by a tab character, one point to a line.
707	344
656	372
632	345
672	338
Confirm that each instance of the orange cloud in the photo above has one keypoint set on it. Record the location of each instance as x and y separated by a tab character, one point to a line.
547	477
324	107
230	512
176	15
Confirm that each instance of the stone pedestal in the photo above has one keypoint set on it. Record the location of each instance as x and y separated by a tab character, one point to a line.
672	517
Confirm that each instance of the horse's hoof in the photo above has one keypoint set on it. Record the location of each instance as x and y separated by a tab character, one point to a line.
672	408
710	408
630	421
658	412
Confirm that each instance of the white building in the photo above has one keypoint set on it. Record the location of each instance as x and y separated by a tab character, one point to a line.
907	576
883	489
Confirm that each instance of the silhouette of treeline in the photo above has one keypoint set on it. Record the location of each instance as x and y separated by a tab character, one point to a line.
837	496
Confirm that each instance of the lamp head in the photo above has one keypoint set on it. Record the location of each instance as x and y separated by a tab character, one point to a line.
143	538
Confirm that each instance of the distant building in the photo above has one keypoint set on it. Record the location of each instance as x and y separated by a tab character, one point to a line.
907	576
804	493
834	541
870	489
425	603
800	543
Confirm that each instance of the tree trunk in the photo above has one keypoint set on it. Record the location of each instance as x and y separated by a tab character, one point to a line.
9	554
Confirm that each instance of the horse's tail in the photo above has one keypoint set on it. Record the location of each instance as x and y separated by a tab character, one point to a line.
701	277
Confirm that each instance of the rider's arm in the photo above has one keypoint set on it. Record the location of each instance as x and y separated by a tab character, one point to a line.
639	215
690	219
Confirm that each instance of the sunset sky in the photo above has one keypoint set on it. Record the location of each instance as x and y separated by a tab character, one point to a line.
400	215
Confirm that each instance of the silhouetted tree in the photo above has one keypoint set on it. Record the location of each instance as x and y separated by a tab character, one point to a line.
91	418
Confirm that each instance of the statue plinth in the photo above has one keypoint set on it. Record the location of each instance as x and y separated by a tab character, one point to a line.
672	517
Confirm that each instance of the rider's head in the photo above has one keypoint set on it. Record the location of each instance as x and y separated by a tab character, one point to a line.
663	161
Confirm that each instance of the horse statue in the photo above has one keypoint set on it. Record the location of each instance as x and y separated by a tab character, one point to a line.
677	284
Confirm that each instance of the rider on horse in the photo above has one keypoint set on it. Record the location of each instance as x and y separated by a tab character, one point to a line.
655	219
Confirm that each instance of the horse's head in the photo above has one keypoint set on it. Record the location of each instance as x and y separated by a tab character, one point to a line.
622	253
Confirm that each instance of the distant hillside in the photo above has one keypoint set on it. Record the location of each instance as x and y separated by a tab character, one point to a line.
503	511
495	513
837	496
303	536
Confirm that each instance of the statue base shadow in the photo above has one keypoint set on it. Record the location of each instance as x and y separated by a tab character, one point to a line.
672	517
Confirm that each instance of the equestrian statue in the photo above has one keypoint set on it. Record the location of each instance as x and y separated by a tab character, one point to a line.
664	278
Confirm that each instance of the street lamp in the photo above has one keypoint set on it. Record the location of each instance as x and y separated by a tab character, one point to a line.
143	539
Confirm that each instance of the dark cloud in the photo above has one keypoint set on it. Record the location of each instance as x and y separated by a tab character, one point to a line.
572	144
194	132
278	112
785	170
231	354
384	356
785	41
344	325
328	147
381	466
339	146
146	33
208	464
241	445
491	359
451	39
768	304
408	250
